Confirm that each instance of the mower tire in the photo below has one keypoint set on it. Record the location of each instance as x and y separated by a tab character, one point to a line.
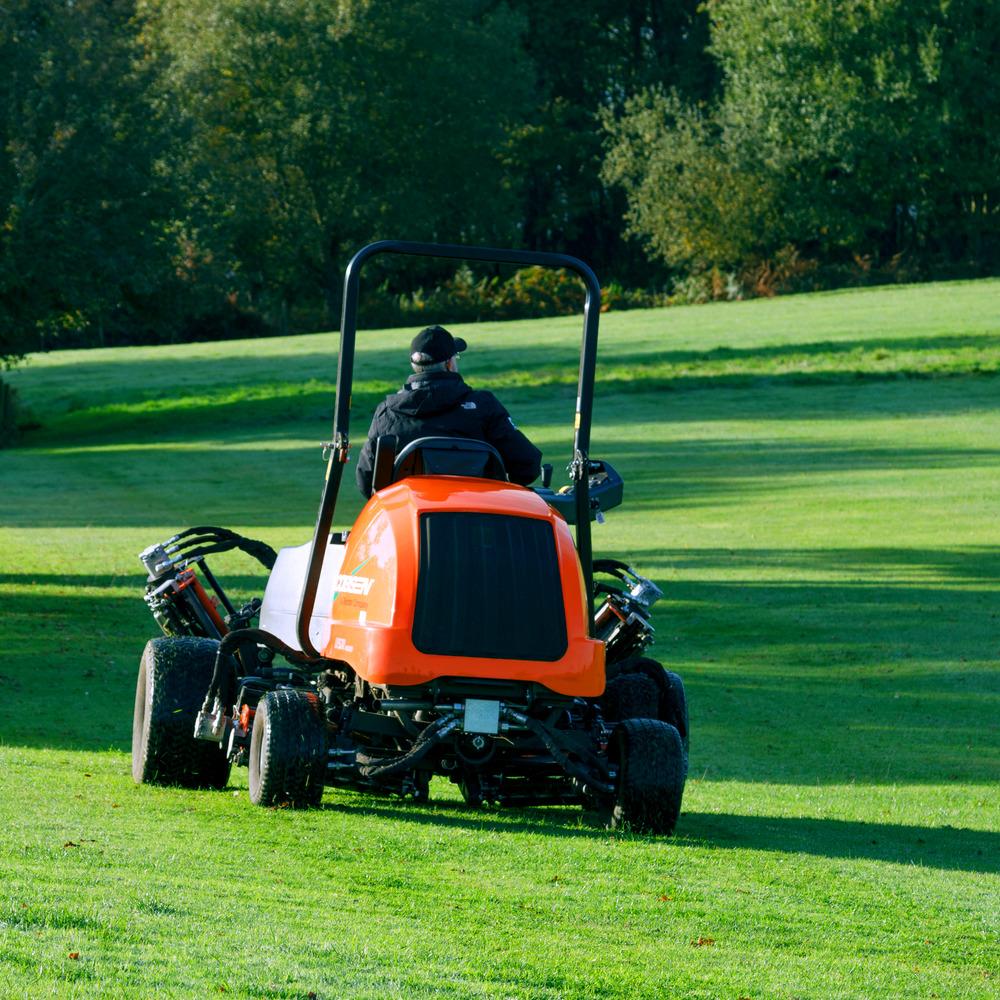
630	696
288	751
671	702
651	772
673	706
174	675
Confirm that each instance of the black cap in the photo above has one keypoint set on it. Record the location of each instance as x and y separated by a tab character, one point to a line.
433	345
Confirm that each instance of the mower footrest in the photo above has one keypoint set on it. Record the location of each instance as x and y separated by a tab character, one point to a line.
210	726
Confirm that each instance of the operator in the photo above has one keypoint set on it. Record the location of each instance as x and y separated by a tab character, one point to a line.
435	401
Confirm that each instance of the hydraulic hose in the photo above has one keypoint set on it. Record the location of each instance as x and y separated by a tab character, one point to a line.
383	767
222	688
570	766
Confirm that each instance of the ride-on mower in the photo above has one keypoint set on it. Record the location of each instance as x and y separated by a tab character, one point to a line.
452	631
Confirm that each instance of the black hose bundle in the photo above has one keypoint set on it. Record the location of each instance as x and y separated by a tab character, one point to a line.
224	677
383	767
570	766
207	539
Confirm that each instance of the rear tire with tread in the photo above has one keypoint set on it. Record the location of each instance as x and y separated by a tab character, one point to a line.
673	706
288	751
174	676
630	696
651	771
671	701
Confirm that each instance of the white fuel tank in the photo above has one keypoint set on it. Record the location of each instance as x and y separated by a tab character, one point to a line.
280	608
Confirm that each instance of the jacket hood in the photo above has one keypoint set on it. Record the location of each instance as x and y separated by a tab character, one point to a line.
427	394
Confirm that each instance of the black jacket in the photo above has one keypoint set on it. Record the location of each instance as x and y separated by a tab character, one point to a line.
435	404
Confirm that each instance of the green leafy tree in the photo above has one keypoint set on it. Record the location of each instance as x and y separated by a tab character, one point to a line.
316	127
861	128
690	198
83	230
588	58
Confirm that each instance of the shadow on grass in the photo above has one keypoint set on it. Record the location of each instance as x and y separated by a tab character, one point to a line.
488	355
550	374
680	475
546	821
937	847
796	396
880	671
962	564
880	346
243	481
69	657
931	846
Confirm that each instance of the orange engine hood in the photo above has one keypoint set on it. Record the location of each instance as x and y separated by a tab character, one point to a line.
375	599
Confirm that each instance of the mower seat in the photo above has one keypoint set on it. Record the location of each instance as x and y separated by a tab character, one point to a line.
437	456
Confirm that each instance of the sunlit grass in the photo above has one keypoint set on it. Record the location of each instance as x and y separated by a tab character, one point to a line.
814	482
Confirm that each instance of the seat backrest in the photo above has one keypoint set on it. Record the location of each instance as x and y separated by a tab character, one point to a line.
385	456
449	456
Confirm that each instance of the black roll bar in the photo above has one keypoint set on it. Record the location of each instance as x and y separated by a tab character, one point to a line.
579	466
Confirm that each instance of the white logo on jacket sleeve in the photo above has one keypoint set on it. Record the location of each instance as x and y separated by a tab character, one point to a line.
468	406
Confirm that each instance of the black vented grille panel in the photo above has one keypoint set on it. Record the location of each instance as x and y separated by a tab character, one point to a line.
489	586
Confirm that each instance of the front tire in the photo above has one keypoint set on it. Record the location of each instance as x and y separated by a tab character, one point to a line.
651	772
174	676
288	751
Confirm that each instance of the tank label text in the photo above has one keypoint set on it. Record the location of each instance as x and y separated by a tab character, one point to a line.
360	585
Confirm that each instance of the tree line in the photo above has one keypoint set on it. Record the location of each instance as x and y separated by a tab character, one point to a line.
183	169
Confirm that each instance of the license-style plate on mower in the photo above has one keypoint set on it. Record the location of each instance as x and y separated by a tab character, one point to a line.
481	716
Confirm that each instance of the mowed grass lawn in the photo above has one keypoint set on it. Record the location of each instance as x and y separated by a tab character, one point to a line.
814	482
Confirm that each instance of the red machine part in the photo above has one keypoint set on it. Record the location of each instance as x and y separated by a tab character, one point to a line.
187	578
